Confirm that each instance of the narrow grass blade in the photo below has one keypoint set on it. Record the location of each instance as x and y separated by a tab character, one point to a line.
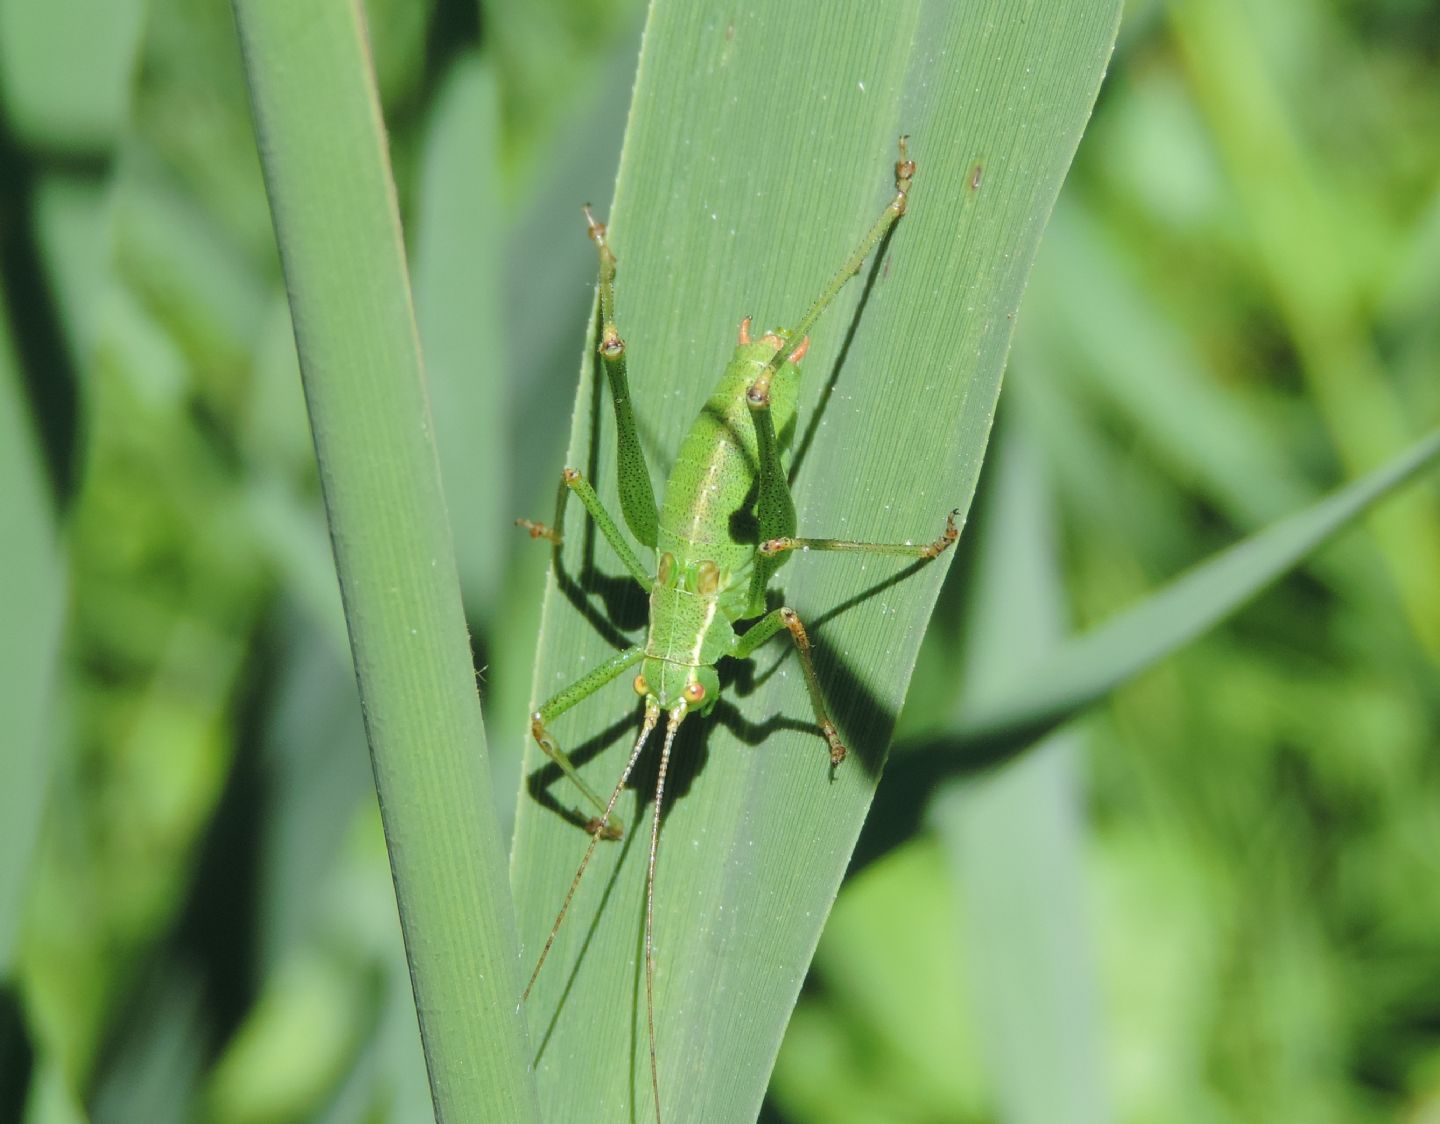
759	148
995	723
327	175
458	284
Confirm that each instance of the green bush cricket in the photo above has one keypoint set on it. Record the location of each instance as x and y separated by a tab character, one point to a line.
707	578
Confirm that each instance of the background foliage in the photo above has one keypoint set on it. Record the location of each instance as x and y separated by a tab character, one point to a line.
1224	875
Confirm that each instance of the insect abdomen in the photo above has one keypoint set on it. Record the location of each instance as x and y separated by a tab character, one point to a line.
708	500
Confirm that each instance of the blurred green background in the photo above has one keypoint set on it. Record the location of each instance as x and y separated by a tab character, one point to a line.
1216	897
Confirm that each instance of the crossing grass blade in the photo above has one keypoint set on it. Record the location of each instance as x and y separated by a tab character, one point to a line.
758	149
999	720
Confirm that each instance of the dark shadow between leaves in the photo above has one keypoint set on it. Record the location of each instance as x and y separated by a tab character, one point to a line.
17	1058
32	305
925	763
911	779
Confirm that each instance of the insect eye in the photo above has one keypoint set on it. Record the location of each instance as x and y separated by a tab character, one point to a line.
667	568
707	578
641	687
694	691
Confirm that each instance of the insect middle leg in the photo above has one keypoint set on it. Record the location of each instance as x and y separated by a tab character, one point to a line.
779	545
571	480
562	701
761	631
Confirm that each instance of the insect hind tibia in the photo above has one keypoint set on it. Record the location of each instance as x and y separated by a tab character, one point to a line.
652	716
904	177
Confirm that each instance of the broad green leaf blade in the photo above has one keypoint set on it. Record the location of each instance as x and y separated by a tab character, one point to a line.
1003	720
1015	837
759	150
327	175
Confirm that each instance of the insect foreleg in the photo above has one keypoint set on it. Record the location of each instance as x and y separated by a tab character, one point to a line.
562	701
572	481
576	483
904	174
552	532
761	631
769	548
637	495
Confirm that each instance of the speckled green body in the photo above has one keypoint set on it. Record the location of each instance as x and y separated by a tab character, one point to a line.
708	516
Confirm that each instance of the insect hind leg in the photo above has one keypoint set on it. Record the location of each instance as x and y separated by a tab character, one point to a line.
766	627
637	494
904	176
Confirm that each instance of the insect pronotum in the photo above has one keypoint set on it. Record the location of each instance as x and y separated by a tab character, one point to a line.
705	579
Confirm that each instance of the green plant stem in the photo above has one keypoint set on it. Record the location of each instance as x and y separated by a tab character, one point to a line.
327	173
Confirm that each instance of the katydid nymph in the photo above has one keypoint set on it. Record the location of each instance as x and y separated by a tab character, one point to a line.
707	577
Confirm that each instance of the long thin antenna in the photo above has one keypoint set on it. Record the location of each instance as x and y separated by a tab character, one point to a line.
676	717
652	716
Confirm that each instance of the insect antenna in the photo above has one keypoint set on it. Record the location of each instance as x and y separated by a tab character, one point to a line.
652	716
676	717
